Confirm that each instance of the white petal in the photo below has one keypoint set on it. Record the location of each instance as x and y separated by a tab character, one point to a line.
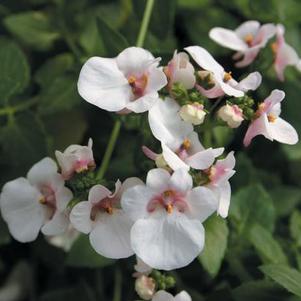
227	38
103	84
134	201
249	56
201	160
156	80
229	90
143	103
283	132
266	32
251	82
183	296
66	163
166	124
63	196
57	225
273	99
246	28
134	60
21	209
169	242
223	191
172	159
111	235
97	193
204	59
128	183
181	180
195	144
157	179
162	296
80	217
202	203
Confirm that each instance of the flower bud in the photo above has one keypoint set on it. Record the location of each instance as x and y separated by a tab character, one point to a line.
145	287
160	162
232	115
193	113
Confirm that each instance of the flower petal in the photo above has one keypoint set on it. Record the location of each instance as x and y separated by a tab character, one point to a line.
202	203
182	296
111	235
80	217
97	193
214	92
21	209
246	28
101	83
227	38
162	296
63	196
143	103
57	225
181	180
249	56
273	99
156	80
158	179
172	159
251	82
223	192
168	242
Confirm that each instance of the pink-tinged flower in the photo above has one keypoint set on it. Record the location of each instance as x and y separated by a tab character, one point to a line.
231	114
247	39
285	55
180	144
193	113
269	124
130	81
164	296
180	70
75	158
36	203
106	223
219	175
145	287
142	268
168	213
224	82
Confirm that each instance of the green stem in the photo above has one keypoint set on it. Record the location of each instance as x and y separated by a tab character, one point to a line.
117	286
116	129
19	107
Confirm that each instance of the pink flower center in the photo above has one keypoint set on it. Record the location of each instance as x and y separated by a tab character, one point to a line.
237	110
106	205
48	199
182	152
138	84
168	200
249	38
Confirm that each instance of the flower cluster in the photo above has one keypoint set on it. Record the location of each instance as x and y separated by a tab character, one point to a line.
160	220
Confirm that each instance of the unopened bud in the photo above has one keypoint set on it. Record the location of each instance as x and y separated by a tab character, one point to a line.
145	287
193	113
232	115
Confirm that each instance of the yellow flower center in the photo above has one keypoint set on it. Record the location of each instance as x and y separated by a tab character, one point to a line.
227	76
271	118
186	144
249	39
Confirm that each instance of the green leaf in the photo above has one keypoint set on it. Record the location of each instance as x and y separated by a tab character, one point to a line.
266	246
113	41
284	275
33	28
14	70
251	205
61	95
53	68
82	255
222	135
216	239
295	227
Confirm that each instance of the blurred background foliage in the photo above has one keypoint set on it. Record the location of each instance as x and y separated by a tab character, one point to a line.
255	254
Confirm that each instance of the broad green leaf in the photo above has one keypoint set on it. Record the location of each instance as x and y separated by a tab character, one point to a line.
113	41
14	70
268	249
216	239
295	227
61	95
260	290
293	152
251	205
82	255
53	68
222	135
33	28
284	275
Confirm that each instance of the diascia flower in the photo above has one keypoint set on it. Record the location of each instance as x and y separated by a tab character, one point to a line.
130	81
106	223
36	203
268	123
247	39
75	158
231	114
180	144
180	70
219	175
168	214
224	83
164	296
285	55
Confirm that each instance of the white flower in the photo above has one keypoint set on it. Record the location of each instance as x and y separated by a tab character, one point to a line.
268	123
130	81
168	215
106	223
285	55
247	39
193	113
36	203
145	287
219	175
180	70
142	268
75	158
180	144
224	82
231	114
164	296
